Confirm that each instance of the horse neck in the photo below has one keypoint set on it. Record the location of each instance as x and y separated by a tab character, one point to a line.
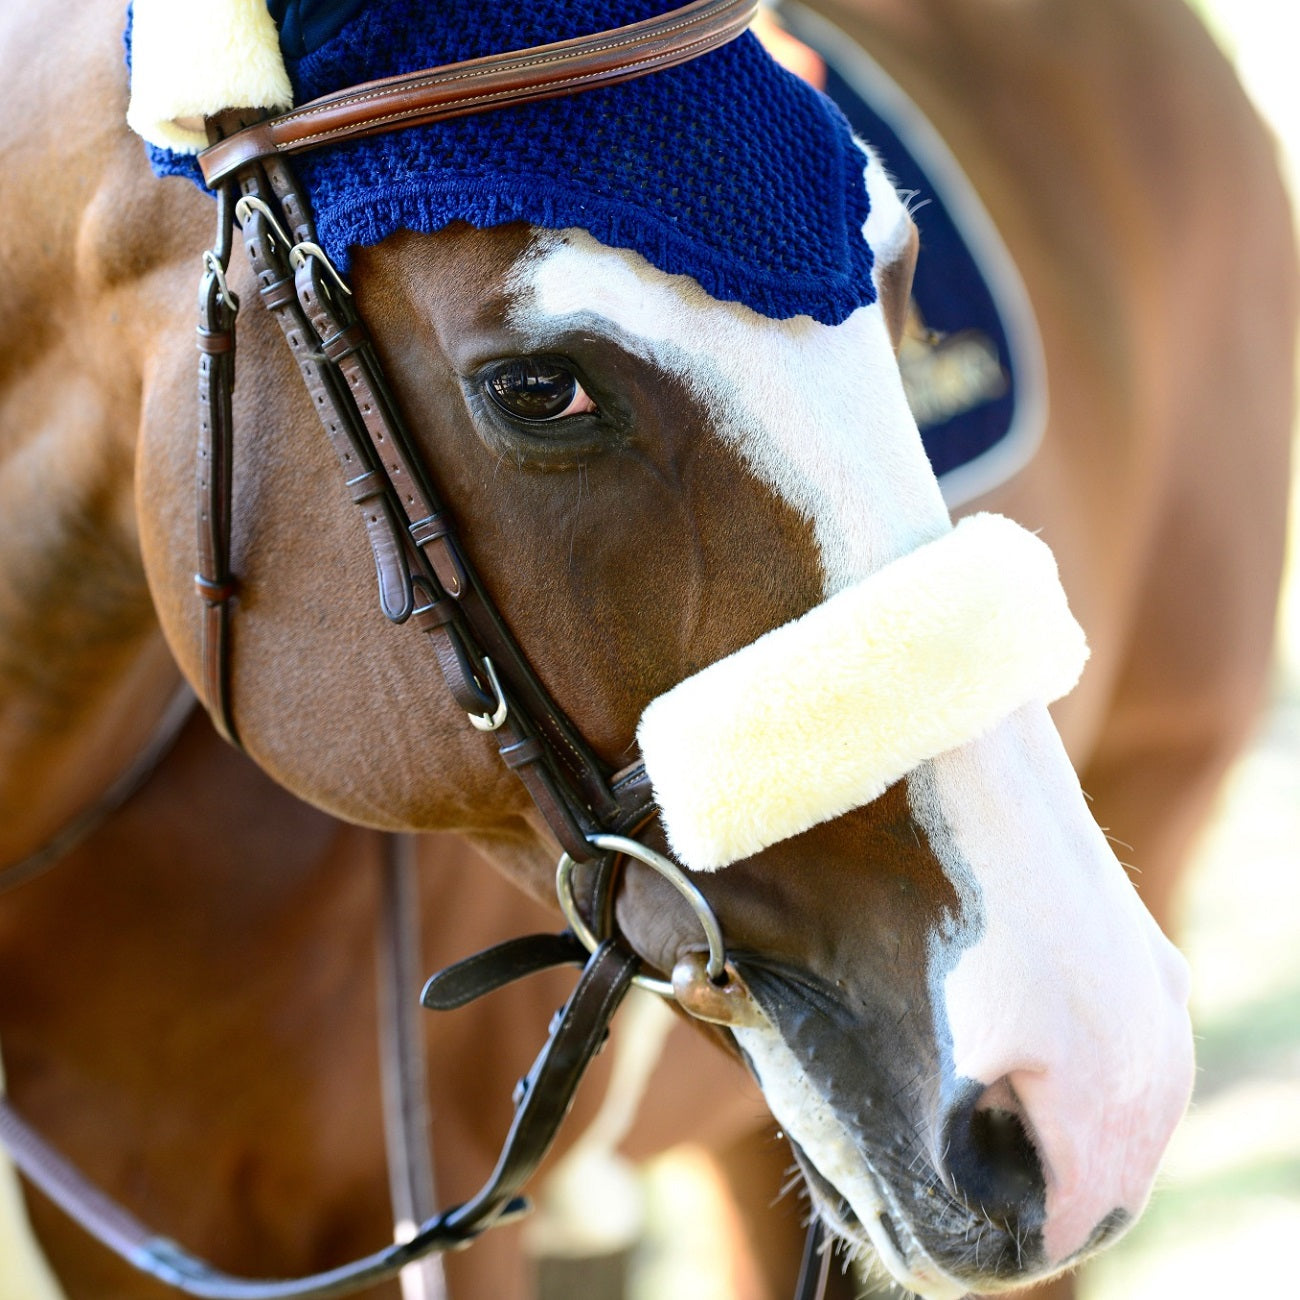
83	671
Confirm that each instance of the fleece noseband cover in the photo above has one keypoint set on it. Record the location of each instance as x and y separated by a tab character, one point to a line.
822	715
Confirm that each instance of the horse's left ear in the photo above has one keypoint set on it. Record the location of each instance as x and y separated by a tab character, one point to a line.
190	59
894	285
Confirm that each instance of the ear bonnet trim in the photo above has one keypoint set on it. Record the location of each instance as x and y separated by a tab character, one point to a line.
728	168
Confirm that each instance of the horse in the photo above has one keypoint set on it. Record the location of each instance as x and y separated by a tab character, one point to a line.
876	952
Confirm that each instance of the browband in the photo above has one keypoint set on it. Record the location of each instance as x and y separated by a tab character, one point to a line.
476	85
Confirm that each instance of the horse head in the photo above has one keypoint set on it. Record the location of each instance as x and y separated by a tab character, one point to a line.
958	1010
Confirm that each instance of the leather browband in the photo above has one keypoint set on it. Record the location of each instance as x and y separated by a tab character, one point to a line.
495	81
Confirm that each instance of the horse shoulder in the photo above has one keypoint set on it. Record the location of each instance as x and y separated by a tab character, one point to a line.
90	253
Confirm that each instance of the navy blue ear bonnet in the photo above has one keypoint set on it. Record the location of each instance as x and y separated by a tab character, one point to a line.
728	168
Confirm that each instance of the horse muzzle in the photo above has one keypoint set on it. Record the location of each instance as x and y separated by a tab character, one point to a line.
954	1185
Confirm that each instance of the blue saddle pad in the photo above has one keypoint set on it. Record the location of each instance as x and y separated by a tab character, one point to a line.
972	359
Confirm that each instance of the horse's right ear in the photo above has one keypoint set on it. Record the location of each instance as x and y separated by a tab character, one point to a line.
894	284
190	59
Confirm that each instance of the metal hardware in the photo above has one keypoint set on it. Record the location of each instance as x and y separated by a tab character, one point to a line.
299	253
491	721
251	203
673	874
212	264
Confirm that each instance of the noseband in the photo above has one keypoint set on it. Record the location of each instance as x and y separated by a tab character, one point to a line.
425	579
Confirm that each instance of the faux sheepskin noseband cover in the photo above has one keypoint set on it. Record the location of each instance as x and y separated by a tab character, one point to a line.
822	715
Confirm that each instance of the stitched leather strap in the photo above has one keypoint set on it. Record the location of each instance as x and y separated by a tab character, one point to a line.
213	580
475	85
544	1099
495	967
546	1091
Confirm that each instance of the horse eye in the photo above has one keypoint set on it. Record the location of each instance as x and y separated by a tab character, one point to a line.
537	389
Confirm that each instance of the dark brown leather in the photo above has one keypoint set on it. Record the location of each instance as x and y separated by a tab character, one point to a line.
635	797
366	484
213	580
577	1034
475	85
502	964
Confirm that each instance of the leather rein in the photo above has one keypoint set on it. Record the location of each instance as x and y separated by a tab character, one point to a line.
425	579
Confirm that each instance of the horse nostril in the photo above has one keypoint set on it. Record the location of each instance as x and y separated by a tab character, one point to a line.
990	1160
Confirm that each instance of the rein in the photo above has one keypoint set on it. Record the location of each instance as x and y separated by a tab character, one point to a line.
83	824
424	578
541	1102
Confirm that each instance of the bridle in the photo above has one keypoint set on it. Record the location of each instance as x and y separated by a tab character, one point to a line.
424	579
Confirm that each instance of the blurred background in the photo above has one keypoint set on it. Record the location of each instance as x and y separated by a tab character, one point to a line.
1227	1210
1230	1200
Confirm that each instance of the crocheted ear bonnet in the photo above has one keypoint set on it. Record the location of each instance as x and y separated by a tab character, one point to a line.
728	168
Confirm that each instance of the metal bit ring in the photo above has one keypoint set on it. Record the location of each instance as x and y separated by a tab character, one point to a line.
673	874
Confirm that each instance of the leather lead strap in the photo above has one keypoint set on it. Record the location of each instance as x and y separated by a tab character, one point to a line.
91	818
477	85
577	1034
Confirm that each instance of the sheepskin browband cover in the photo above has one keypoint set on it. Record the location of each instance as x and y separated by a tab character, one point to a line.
822	715
192	58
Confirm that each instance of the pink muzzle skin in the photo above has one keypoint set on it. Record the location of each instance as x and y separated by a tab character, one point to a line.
1070	1005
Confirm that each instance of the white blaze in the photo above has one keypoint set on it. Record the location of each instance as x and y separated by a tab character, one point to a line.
816	411
1068	986
1069	991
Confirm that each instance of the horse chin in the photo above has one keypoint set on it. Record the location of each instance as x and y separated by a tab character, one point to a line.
874	1188
853	1201
875	1238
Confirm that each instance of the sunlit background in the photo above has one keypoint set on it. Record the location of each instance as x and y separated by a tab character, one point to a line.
1226	1215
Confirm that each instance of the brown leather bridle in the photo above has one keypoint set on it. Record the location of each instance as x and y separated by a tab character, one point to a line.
424	579
424	575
